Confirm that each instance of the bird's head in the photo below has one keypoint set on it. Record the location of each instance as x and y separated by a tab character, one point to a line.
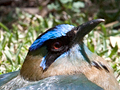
58	51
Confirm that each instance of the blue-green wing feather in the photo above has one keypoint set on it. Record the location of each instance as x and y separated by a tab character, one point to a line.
71	82
7	77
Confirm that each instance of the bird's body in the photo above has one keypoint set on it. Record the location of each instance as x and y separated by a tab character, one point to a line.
58	59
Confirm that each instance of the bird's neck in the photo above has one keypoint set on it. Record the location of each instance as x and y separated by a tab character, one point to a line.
32	71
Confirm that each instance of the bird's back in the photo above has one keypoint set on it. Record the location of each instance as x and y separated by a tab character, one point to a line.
7	77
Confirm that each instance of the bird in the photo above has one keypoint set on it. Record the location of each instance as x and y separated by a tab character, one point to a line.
59	60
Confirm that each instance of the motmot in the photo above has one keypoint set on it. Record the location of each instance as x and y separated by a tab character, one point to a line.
59	60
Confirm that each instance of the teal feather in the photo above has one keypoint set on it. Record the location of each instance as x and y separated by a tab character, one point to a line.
7	77
71	82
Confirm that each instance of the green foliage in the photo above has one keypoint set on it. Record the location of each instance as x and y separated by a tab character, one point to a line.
4	27
108	9
67	9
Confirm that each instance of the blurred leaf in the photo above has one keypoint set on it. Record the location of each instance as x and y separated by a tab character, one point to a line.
53	6
10	39
113	51
104	29
18	51
4	27
90	46
102	53
4	42
9	56
78	4
114	33
65	1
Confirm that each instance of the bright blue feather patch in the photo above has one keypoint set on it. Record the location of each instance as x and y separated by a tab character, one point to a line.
42	64
56	32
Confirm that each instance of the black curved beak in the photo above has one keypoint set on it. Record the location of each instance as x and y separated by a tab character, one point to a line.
85	28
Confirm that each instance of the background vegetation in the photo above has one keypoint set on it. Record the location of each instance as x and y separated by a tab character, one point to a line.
21	21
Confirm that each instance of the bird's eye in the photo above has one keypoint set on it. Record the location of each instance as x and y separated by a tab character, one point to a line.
56	45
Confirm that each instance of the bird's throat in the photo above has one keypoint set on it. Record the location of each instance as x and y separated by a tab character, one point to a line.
31	69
